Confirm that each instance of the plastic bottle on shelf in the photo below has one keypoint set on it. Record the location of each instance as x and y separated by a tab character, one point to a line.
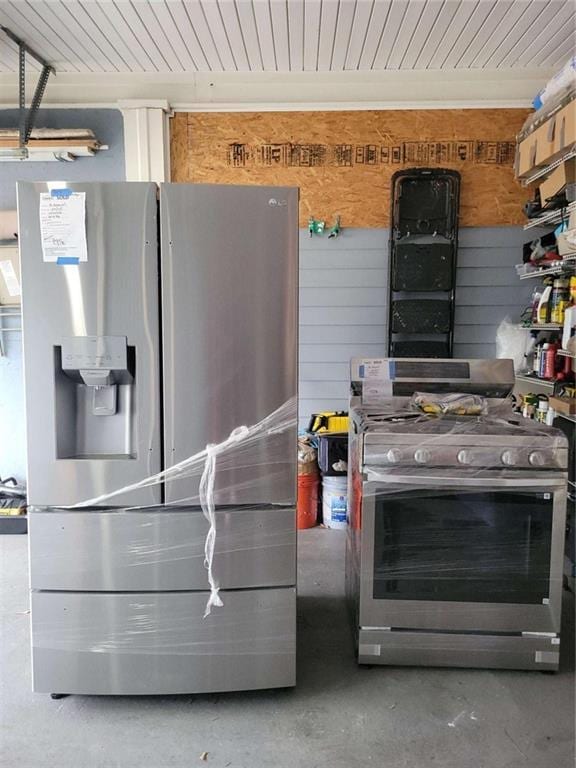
559	300
529	405
536	296
566	368
537	359
542	313
542	366
542	410
572	289
549	367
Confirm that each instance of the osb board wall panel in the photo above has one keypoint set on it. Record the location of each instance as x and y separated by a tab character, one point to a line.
343	161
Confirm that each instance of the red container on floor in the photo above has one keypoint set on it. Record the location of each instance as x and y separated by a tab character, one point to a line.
307	505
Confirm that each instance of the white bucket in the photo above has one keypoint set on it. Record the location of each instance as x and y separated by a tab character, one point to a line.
335	502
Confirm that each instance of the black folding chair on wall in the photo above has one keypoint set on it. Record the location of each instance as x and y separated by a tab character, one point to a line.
423	251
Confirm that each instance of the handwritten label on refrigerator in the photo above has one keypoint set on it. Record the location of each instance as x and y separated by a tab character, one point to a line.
63	226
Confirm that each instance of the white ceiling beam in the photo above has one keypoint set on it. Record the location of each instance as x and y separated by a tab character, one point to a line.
296	90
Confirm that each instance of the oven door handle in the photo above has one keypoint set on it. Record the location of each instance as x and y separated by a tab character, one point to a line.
455	481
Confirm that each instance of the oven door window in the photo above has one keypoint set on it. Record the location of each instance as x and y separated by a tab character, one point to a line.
488	547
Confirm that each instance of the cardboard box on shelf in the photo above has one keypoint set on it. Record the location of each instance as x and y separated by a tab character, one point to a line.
548	142
566	242
536	149
557	180
565	131
563	404
545	141
526	155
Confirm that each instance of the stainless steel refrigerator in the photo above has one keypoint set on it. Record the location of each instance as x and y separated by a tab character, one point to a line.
178	326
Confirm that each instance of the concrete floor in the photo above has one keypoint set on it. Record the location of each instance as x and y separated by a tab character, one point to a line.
339	716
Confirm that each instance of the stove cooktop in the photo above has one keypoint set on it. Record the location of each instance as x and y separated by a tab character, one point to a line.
414	422
410	438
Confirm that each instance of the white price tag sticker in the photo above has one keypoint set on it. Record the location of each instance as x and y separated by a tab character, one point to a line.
376	368
63	226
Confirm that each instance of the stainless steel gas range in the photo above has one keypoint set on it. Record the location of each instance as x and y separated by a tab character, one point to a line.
456	531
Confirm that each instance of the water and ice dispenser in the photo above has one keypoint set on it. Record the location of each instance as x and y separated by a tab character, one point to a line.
94	390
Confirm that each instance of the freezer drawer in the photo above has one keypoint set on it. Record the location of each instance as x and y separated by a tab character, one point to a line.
149	643
160	549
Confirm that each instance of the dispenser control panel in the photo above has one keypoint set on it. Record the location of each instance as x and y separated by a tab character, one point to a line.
94	352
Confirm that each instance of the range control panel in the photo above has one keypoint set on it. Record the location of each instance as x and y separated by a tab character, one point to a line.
453	456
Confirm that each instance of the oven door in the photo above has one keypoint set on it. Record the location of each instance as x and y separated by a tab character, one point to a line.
479	552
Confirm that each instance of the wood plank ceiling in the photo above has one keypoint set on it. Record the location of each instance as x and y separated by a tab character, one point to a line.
290	35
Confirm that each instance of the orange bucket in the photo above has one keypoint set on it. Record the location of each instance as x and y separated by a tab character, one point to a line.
307	506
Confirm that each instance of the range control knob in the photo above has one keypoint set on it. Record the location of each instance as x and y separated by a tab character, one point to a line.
464	457
394	456
537	459
422	456
508	458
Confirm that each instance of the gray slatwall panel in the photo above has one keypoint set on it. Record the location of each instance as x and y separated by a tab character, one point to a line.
324	371
320	389
474	350
486	256
349	259
351	239
351	278
335	353
483	296
318	335
474	334
349	296
486	315
482	276
327	315
496	237
344	303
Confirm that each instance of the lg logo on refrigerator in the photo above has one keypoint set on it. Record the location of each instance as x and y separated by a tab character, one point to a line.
273	203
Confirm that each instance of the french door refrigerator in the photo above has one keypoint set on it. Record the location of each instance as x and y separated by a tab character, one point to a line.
177	326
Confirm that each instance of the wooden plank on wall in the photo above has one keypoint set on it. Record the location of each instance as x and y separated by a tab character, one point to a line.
343	162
